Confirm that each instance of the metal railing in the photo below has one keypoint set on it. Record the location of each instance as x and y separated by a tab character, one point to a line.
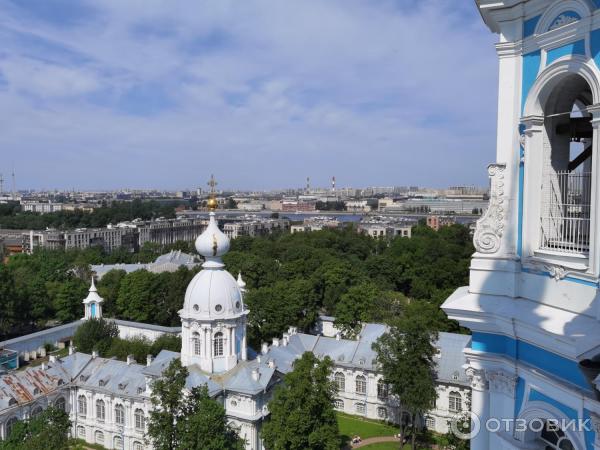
565	221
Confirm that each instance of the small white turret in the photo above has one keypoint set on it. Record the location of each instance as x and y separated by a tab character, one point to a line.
241	283
93	303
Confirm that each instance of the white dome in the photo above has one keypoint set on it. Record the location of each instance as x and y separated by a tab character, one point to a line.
212	243
213	294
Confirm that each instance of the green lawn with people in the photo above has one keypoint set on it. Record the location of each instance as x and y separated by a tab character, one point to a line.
365	428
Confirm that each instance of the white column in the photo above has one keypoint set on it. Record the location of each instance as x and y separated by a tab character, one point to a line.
595	194
480	407
533	159
244	350
507	141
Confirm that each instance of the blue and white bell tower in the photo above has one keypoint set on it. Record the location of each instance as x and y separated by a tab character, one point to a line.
533	299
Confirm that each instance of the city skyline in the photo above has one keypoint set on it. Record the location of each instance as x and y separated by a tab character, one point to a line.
104	95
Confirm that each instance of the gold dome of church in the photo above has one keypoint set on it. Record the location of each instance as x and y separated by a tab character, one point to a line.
212	203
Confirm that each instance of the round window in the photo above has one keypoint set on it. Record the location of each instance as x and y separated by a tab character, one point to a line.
237	305
196	307
218	308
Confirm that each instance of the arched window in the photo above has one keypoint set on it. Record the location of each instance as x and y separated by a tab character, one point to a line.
99	437
81	432
140	419
218	344
566	169
120	415
137	446
361	385
100	410
60	404
118	442
340	381
454	402
196	343
554	438
382	390
9	425
36	411
82	405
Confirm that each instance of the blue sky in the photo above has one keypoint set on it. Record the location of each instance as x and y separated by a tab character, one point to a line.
263	93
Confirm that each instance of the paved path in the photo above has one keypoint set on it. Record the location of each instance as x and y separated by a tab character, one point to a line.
375	440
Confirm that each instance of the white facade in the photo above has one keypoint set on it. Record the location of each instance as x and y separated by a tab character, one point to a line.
532	302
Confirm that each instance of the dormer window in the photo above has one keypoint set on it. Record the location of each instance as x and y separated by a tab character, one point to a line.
101	383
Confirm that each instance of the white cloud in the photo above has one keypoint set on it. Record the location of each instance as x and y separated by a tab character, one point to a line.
371	92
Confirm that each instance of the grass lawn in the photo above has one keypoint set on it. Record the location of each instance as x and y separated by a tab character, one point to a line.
365	428
385	446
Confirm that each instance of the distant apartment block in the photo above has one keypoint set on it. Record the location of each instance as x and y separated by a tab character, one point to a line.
386	227
358	206
300	204
50	207
439	205
254	226
437	222
315	224
167	232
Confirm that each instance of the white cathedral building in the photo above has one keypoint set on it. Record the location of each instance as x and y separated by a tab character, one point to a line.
533	301
108	401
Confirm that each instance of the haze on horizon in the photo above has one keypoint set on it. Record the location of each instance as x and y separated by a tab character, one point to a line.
104	94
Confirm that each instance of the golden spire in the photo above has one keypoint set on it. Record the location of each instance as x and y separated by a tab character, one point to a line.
212	201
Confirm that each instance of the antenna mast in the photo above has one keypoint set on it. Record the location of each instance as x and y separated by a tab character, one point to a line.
14	184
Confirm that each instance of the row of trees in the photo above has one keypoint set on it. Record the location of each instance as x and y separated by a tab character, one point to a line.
11	215
103	336
291	279
48	287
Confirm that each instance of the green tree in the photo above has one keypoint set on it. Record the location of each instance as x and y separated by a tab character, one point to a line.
230	203
95	334
194	421
108	289
135	300
355	307
68	302
47	431
9	302
405	355
205	426
274	308
301	412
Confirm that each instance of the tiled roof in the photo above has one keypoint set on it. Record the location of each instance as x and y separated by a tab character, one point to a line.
359	353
